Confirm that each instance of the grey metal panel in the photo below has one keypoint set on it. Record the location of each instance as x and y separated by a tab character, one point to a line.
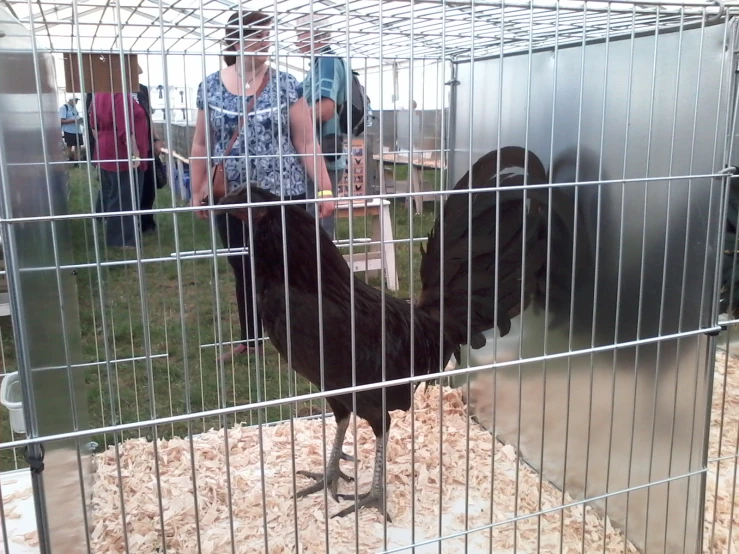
182	134
405	120
396	125
44	301
604	422
372	134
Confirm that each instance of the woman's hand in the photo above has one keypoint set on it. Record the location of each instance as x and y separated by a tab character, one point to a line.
325	209
303	136
135	156
198	195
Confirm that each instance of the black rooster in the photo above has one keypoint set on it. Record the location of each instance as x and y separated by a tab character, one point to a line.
491	303
729	292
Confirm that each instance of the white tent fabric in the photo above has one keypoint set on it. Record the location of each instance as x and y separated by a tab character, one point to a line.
183	38
397	29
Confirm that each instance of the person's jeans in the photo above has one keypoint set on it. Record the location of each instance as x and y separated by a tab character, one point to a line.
234	233
148	196
117	195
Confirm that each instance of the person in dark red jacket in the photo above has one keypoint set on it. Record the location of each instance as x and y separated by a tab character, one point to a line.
154	178
121	171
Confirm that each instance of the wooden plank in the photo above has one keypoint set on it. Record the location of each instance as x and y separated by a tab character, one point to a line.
176	156
101	72
422	160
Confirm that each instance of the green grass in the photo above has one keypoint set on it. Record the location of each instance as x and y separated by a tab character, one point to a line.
399	172
173	307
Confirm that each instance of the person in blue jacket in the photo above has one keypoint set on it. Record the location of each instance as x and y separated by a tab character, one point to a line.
324	88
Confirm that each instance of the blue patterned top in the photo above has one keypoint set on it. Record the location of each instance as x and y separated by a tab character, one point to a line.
265	138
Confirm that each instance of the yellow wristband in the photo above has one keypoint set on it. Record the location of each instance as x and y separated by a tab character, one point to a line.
325	193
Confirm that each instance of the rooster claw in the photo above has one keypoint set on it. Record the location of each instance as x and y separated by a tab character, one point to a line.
347	457
322	481
372	499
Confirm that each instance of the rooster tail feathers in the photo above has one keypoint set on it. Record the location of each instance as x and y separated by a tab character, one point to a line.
469	252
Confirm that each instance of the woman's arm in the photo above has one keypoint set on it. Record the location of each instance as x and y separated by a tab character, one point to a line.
198	153
198	164
304	140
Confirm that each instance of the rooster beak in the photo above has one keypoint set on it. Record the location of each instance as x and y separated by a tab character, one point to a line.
236	196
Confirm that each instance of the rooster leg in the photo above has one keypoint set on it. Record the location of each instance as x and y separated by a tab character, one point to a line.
333	473
374	498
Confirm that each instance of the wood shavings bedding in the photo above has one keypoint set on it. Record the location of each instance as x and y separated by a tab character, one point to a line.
20	523
144	526
722	442
27	539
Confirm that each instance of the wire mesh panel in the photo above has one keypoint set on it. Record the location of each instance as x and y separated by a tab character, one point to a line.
48	381
634	114
210	438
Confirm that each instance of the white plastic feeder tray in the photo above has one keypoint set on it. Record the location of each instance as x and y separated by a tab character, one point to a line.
11	397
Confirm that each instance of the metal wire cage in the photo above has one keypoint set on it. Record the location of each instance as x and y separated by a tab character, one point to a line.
597	424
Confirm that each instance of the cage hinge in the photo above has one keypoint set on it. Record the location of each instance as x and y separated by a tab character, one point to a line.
714	333
452	82
35	463
721	11
2	34
728	170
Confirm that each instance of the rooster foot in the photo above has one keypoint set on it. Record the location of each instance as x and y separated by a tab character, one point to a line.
371	499
331	478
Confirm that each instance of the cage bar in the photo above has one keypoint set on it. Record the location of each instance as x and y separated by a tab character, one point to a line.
605	414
